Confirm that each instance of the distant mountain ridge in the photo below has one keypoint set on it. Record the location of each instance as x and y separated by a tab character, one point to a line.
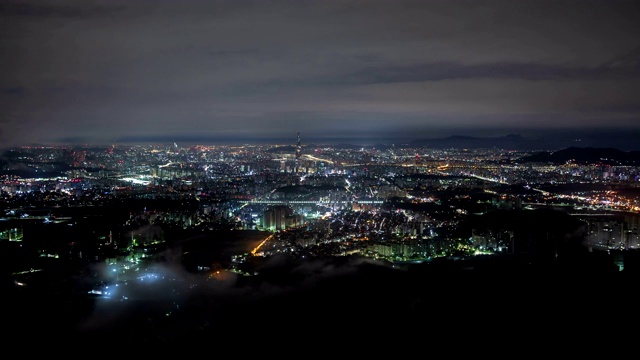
513	141
587	155
629	141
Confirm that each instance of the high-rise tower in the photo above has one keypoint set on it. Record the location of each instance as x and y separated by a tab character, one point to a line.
298	153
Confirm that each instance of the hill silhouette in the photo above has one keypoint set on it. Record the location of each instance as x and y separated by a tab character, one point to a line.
587	155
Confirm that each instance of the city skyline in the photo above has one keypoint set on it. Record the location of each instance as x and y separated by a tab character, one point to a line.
339	71
167	244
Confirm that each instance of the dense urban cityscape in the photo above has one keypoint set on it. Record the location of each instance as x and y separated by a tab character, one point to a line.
115	225
338	176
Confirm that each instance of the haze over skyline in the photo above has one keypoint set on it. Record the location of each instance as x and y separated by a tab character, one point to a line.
115	71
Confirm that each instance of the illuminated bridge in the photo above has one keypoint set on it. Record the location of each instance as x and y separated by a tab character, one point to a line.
313	202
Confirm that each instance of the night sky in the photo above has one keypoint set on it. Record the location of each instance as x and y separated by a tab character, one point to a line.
123	71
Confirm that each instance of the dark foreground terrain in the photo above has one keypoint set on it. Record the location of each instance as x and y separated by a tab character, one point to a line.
337	299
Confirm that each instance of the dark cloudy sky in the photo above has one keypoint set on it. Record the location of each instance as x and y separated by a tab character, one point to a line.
194	70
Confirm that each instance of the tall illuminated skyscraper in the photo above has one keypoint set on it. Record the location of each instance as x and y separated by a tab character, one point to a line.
298	153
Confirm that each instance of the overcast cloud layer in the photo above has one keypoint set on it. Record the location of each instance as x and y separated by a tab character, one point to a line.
103	71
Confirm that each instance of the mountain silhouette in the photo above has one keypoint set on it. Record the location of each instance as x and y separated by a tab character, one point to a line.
588	155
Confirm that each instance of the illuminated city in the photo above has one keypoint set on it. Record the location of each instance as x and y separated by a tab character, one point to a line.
284	176
142	223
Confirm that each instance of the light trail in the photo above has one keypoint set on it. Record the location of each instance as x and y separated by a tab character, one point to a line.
253	252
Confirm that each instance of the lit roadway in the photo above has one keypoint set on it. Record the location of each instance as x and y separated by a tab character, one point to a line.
626	208
253	252
317	158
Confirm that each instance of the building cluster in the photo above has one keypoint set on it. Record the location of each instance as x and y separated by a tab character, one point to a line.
395	203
